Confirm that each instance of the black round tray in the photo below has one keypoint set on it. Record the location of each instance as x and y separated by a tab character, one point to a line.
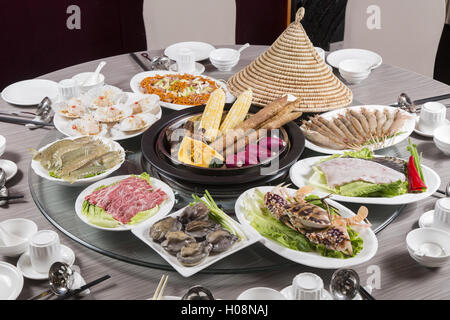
152	142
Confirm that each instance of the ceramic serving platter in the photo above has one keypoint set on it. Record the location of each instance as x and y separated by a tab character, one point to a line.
301	172
311	259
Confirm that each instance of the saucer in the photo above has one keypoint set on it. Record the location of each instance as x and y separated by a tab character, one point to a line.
325	294
24	264
9	167
427	134
426	221
199	68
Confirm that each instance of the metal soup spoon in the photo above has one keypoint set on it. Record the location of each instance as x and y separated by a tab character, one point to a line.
405	102
198	293
3	190
61	278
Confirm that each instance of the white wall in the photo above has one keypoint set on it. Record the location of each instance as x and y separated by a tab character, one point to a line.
170	21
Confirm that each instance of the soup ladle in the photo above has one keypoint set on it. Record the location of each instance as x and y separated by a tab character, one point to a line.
345	285
61	278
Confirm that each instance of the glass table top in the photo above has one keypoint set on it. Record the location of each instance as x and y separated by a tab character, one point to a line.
56	202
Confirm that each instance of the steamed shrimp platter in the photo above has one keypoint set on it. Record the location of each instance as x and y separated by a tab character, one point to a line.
107	112
353	128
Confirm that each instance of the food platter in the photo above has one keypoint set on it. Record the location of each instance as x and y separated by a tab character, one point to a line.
109	130
403	132
301	172
136	80
164	208
152	142
44	173
312	259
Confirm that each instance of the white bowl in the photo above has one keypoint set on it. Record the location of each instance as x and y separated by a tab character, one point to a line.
42	172
418	237
11	281
2	145
224	59
441	138
261	293
20	227
81	77
354	70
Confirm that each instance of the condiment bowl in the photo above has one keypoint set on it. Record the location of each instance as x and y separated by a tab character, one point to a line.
441	138
430	247
81	77
261	293
354	70
2	145
224	59
23	228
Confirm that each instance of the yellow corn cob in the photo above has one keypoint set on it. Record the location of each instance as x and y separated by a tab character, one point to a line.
238	111
212	115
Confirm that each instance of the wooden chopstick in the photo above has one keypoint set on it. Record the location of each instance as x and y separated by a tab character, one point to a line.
160	289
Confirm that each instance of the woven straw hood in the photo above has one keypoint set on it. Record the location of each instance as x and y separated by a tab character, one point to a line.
292	65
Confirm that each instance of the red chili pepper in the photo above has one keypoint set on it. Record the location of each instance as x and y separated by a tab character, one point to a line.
415	182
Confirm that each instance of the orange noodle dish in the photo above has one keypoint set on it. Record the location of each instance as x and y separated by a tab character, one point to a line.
182	89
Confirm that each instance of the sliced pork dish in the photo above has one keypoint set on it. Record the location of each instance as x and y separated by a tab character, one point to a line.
126	202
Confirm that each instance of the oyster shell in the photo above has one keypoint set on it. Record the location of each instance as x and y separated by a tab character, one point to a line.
221	240
199	211
160	228
175	240
193	253
199	228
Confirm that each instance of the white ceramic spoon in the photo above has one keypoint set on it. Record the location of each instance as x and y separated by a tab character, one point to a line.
245	46
93	79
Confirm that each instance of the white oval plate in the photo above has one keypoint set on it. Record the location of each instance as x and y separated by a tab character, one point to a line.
42	172
302	170
136	80
335	57
9	167
64	124
30	92
407	129
11	281
143	234
313	259
164	208
201	49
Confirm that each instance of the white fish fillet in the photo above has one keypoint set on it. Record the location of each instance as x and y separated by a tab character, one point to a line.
341	171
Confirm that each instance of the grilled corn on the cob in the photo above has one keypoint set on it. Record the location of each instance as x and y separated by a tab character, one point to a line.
212	115
238	111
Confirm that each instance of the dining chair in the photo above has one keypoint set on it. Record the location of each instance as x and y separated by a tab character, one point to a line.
405	33
170	21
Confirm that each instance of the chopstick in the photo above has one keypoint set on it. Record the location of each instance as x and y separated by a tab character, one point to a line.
139	62
82	288
366	295
10	198
160	289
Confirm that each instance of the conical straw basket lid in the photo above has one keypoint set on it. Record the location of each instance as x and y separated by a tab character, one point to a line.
292	66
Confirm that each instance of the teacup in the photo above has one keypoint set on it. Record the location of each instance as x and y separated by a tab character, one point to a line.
307	286
432	115
441	217
68	88
185	60
45	249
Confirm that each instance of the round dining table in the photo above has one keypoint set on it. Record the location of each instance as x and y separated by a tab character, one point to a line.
392	273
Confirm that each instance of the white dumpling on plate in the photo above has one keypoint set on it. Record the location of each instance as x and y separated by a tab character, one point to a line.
136	122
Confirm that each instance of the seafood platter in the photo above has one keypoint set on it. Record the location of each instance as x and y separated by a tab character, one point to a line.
232	143
107	112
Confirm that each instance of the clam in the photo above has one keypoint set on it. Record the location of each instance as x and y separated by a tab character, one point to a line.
160	228
175	240
221	240
199	228
199	211
193	253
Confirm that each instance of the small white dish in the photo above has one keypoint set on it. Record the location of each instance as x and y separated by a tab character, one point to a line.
24	264
44	173
354	70
201	49
30	92
441	138
287	292
164	208
430	247
2	145
9	167
301	172
428	134
199	68
81	77
224	59
142	232
335	57
426	219
261	293
11	281
438	218
20	227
